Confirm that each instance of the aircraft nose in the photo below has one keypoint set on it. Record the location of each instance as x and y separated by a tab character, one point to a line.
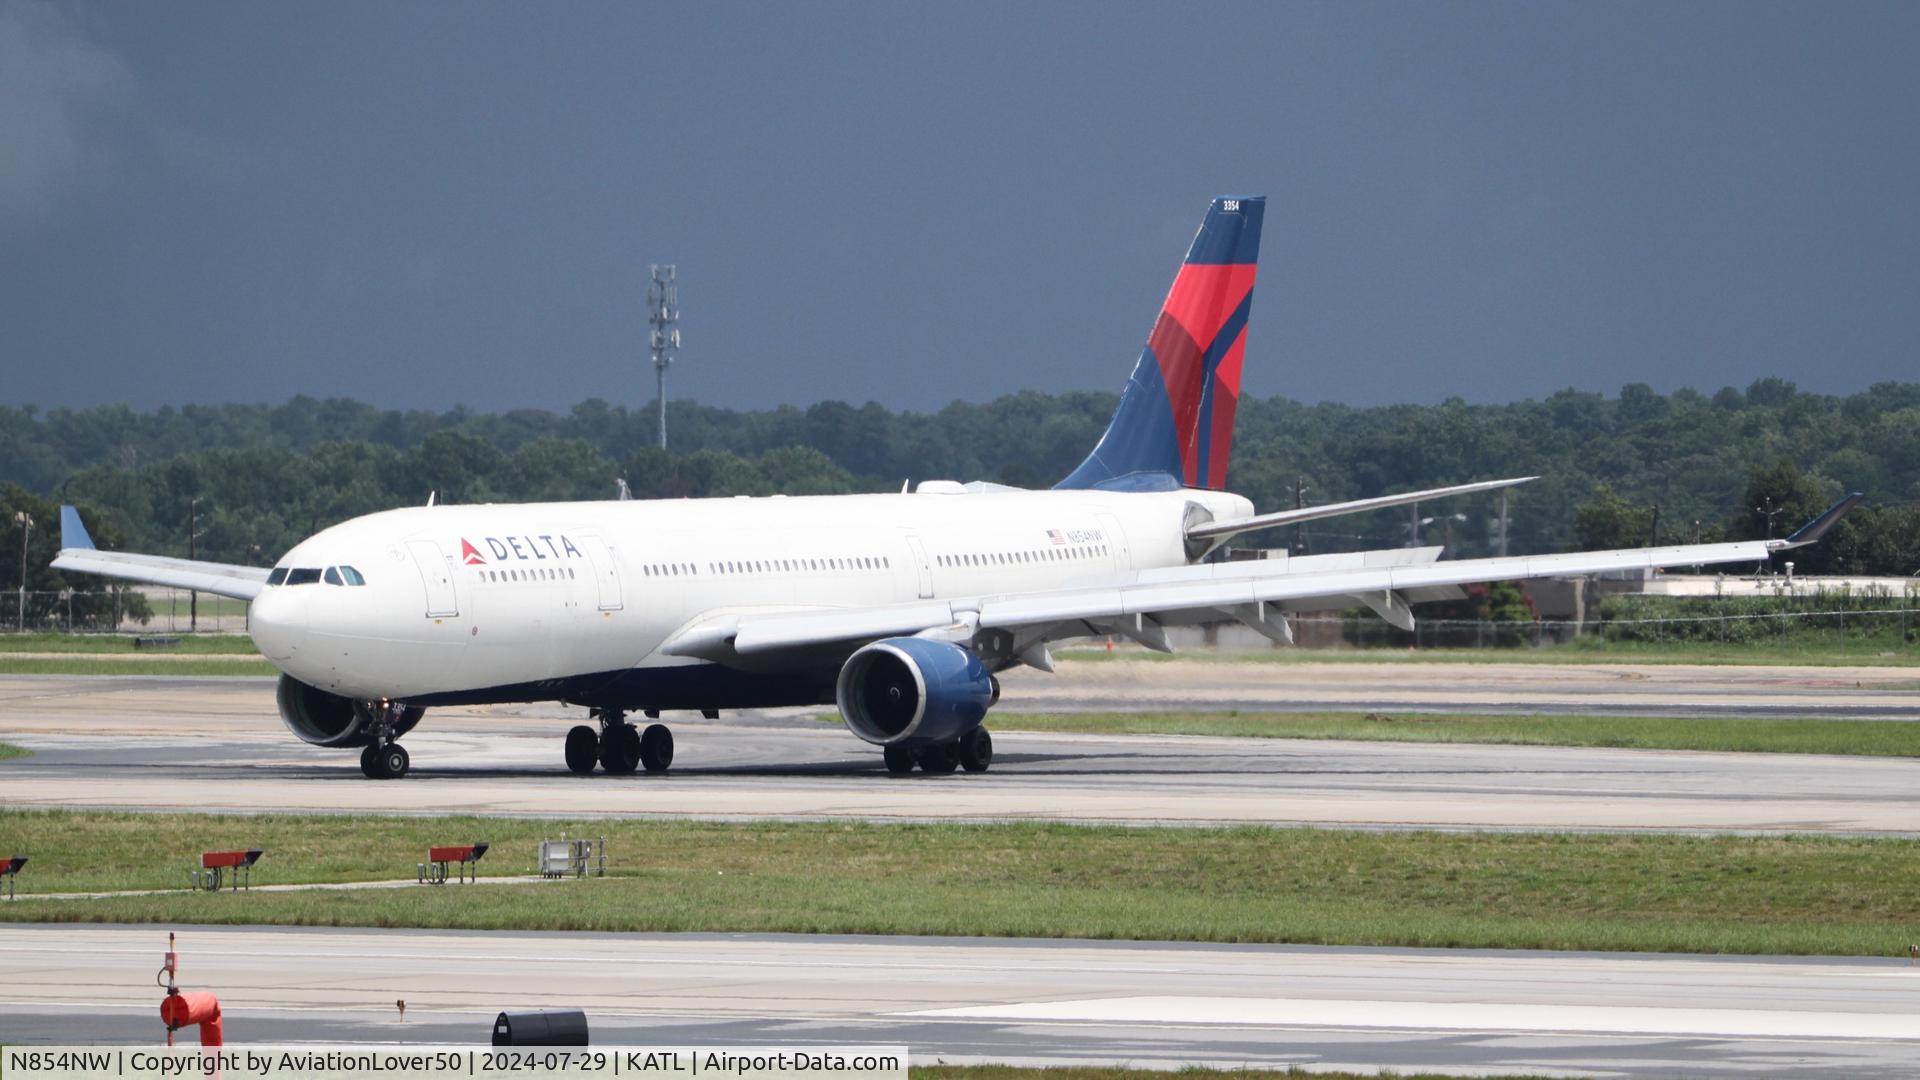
276	620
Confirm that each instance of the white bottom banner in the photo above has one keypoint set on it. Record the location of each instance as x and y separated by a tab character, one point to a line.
389	1062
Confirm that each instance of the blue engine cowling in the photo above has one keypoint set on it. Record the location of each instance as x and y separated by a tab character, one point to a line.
914	690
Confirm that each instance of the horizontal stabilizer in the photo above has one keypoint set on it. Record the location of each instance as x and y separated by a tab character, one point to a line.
1817	528
220	579
73	531
1212	529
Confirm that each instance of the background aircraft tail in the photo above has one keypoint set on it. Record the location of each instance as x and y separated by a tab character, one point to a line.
1176	414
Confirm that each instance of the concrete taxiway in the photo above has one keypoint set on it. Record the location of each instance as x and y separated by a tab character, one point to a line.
1001	1000
166	743
1452	686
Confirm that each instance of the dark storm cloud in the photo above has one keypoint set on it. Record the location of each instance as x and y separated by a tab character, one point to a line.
55	85
426	205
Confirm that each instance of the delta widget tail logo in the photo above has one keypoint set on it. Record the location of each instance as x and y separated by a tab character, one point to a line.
470	555
1176	414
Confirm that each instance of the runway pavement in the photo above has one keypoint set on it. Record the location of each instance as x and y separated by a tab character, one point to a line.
958	999
168	743
1200	682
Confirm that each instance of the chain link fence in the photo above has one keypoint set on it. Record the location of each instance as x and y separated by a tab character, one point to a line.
132	610
1891	628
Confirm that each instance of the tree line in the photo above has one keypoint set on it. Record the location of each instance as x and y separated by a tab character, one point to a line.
1626	470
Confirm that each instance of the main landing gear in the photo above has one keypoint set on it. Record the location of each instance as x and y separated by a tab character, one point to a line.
384	758
618	746
972	752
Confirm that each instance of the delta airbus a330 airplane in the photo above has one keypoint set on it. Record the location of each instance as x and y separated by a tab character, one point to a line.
899	608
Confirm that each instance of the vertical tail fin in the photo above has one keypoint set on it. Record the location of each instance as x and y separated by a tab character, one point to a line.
1176	414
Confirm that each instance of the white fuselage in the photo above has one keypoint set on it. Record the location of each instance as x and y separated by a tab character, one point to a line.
544	601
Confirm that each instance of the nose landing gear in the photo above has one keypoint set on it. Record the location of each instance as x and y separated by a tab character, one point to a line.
384	758
388	762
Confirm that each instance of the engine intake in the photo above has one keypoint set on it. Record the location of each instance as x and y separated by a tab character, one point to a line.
324	719
913	690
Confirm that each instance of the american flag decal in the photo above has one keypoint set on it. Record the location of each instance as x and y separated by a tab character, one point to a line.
1054	535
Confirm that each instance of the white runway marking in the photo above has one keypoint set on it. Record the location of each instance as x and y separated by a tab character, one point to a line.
1452	1016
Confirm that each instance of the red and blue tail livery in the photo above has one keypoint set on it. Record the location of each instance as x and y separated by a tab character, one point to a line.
1175	418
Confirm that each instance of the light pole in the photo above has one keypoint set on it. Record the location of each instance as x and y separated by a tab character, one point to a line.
1446	523
25	521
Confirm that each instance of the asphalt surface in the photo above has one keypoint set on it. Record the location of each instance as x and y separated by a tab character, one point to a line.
1199	682
964	999
169	743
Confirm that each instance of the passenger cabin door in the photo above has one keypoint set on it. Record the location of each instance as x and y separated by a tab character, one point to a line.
606	573
436	573
1116	541
923	571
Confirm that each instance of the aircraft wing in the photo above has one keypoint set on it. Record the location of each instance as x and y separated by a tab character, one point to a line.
1387	582
78	555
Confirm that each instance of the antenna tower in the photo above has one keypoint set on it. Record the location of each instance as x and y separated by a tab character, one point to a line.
663	311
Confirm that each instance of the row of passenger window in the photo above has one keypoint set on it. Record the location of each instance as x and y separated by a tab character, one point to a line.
1013	558
800	566
306	575
543	573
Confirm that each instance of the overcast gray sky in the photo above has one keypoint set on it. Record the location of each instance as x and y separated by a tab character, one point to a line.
427	204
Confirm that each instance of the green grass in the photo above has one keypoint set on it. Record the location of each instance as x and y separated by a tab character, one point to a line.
1590	650
8	750
190	644
1876	738
85	665
1793	895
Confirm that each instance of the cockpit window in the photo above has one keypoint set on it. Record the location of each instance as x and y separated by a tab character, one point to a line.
353	576
332	576
303	576
279	576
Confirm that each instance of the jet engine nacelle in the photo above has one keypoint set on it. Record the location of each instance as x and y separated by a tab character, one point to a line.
324	719
913	690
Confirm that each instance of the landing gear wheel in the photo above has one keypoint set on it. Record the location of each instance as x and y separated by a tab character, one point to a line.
899	759
938	758
976	750
620	749
370	763
583	749
394	761
656	748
